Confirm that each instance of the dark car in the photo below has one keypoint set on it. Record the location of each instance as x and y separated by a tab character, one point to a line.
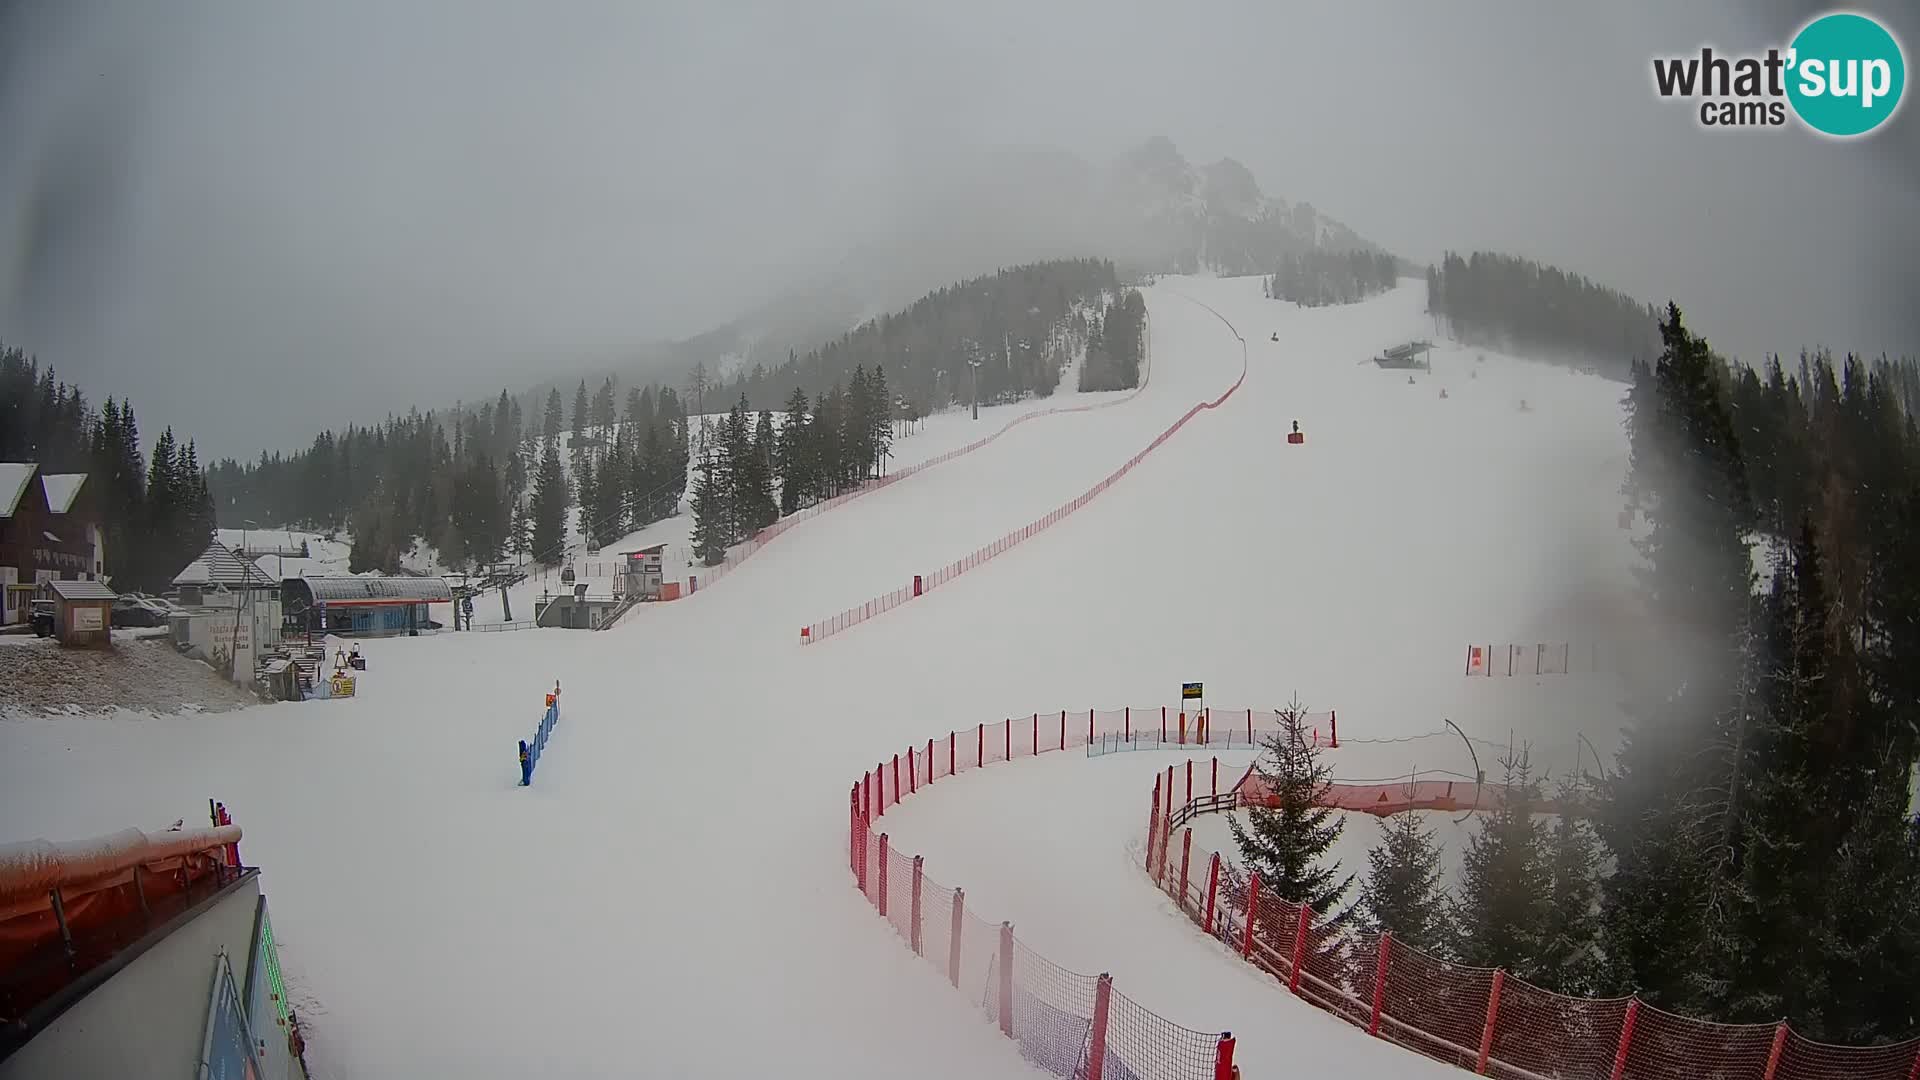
42	618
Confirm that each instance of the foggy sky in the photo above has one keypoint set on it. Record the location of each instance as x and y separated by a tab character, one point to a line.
258	220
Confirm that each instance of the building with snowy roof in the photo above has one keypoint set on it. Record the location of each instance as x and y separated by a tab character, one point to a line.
364	606
47	533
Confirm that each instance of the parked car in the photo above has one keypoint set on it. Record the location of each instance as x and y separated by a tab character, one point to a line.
139	611
42	618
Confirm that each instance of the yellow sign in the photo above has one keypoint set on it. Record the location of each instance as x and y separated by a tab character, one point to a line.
342	685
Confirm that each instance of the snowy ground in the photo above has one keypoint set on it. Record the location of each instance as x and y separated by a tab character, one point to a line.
676	879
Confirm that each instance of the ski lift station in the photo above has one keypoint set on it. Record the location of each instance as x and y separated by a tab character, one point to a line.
363	606
1414	354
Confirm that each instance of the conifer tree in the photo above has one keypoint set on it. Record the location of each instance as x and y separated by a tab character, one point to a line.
1506	887
1403	892
588	491
551	419
1287	843
709	515
1570	958
791	460
548	532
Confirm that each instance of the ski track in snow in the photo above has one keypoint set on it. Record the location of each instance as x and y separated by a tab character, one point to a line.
671	896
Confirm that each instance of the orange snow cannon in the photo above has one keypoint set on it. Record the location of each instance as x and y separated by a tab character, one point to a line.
1294	437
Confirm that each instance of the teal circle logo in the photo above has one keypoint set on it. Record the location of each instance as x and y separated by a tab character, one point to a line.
1846	74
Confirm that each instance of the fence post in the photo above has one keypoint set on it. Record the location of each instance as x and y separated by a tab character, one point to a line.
1213	887
1153	823
896	778
953	943
1216	778
1163	725
1249	726
1182	730
1089	727
881	898
1169	789
1127	724
950	742
1006	979
1300	946
1380	980
980	751
1009	739
1253	908
1189	782
1333	725
1186	856
1223	1057
1493	1017
1036	734
1063	729
913	774
1773	1055
853	832
918	949
1097	1035
1626	1038
933	768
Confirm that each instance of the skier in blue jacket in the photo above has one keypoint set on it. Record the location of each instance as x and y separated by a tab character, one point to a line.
526	764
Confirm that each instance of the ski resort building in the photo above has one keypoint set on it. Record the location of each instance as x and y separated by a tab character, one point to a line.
46	534
1413	354
362	606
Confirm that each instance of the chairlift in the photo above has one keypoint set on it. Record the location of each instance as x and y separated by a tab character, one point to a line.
566	573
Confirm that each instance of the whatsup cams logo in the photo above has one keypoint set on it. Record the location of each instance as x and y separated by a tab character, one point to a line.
1841	75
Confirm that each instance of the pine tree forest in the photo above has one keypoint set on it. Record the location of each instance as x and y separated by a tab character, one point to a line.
1015	331
1753	853
1505	302
1319	278
156	511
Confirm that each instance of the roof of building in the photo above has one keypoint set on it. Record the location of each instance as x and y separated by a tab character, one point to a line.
13	484
61	488
377	590
259	541
218	565
81	590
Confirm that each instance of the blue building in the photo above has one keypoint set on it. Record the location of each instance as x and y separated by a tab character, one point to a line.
362	606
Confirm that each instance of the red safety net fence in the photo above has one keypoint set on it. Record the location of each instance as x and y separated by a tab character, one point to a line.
1065	1022
1481	1019
924	583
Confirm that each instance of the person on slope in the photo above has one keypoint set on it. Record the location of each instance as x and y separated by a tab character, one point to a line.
526	765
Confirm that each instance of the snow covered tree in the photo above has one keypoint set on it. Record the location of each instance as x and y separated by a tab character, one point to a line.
1403	892
1287	843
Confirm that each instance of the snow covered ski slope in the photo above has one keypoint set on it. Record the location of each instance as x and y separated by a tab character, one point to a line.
671	896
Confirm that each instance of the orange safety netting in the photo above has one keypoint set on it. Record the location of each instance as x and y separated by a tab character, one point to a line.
1062	1021
67	908
1484	1020
924	583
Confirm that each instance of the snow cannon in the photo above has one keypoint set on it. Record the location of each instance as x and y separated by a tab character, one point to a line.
1294	437
1443	393
1275	337
1409	380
